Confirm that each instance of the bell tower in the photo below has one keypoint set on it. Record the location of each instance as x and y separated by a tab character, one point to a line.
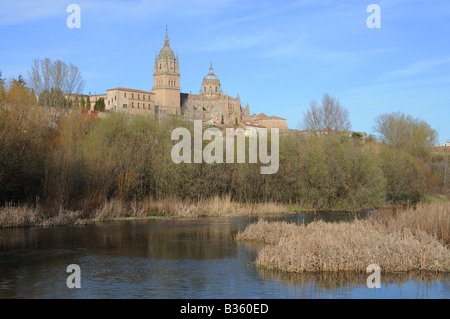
166	77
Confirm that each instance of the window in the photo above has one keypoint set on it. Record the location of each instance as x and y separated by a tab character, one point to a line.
143	97
216	89
115	97
132	105
124	95
139	96
204	89
132	95
124	106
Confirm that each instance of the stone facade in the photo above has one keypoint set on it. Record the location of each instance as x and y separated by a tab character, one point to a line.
211	105
270	121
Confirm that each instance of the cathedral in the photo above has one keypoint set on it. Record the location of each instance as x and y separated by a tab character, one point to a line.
211	105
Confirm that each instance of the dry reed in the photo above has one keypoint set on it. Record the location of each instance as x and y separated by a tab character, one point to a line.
399	242
23	216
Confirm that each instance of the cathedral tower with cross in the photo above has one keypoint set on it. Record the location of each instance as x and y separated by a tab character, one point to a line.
166	76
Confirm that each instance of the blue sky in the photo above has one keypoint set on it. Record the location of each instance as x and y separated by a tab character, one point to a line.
278	55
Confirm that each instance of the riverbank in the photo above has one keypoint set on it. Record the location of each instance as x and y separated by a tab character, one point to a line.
26	216
405	240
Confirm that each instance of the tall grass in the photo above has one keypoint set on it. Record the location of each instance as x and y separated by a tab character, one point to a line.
408	241
24	215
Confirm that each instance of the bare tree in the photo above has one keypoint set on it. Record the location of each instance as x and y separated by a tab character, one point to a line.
329	115
46	75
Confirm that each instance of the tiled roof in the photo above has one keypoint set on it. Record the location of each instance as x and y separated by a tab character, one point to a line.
130	90
190	95
260	116
248	123
272	117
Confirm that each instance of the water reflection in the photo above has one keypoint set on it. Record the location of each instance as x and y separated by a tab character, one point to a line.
174	259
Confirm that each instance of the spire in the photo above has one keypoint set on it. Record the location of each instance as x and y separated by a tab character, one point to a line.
177	65
211	69
166	40
156	64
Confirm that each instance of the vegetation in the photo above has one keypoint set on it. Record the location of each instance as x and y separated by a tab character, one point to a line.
99	104
402	241
329	115
405	133
79	163
46	75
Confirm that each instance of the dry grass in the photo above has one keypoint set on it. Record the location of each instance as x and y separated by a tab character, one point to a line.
11	216
399	242
23	216
433	219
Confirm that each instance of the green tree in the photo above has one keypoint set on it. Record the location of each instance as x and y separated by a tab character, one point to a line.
88	103
99	104
406	133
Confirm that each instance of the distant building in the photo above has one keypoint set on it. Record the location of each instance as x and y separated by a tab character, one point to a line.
211	105
270	121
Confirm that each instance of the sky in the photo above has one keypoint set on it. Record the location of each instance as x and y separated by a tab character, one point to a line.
278	55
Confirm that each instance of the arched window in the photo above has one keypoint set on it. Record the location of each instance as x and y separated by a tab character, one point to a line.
216	89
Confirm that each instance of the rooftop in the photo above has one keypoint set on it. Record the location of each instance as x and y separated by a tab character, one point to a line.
130	90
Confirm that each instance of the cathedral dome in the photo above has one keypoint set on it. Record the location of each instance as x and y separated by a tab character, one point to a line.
166	51
211	77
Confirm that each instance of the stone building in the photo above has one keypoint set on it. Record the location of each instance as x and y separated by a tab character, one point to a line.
270	121
211	105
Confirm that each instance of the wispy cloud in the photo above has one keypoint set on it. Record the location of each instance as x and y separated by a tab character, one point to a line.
418	68
16	12
232	42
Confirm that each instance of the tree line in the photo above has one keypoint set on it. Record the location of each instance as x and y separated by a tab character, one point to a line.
79	162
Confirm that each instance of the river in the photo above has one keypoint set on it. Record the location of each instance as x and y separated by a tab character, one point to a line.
196	258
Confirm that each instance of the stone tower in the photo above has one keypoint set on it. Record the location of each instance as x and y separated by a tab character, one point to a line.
167	80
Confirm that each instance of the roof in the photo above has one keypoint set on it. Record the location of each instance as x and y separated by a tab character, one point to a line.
194	96
211	77
260	116
248	123
130	90
272	117
166	51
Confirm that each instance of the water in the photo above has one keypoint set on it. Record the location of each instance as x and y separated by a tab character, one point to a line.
176	259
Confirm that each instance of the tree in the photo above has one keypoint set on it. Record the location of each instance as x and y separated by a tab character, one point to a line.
406	133
2	90
329	115
88	103
46	74
99	104
76	102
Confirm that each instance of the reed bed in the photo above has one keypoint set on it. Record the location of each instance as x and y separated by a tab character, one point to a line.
24	216
396	242
431	218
